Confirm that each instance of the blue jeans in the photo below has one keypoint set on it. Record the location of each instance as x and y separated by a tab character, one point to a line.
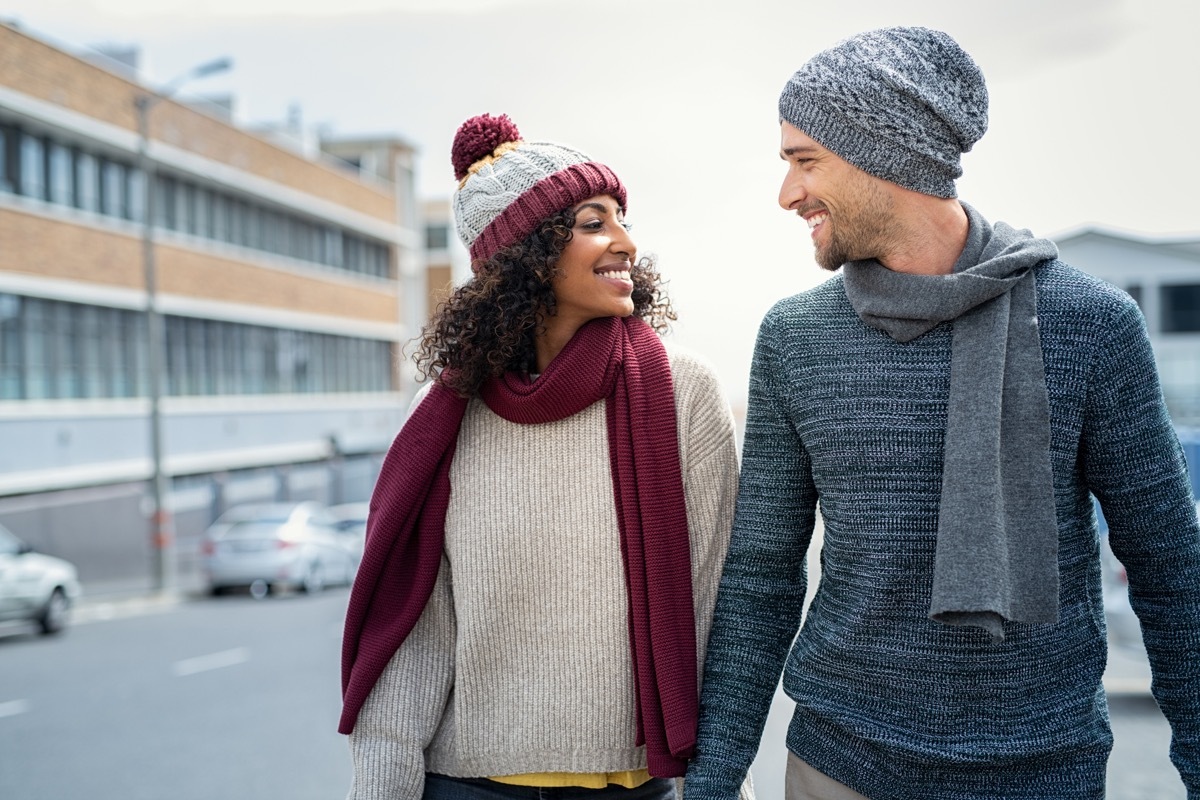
442	787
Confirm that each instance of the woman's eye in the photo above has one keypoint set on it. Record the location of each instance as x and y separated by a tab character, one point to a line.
592	225
628	226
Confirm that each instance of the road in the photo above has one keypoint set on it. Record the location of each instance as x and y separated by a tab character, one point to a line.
224	698
238	699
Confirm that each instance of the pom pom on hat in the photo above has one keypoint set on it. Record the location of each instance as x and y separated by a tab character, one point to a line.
478	138
501	200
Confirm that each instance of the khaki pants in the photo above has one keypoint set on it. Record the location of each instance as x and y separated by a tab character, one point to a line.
802	782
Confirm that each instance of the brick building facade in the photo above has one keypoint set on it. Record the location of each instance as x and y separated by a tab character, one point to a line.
287	284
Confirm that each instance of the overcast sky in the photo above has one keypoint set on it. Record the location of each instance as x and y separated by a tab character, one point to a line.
1094	108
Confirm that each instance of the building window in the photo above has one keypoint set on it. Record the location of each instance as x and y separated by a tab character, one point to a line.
189	218
202	210
175	349
1180	307
221	220
137	195
62	175
8	157
51	170
35	367
87	182
1135	292
33	166
437	237
166	203
201	377
51	350
94	375
117	352
10	347
254	226
66	350
114	189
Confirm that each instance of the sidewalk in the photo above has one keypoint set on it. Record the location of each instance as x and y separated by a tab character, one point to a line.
119	605
1128	671
102	602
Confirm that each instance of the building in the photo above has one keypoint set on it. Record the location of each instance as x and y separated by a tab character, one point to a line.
447	263
388	162
1163	275
286	285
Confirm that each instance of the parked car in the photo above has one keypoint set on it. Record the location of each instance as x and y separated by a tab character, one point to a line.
350	519
35	587
273	545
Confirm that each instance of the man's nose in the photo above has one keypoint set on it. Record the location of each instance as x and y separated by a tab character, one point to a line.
791	192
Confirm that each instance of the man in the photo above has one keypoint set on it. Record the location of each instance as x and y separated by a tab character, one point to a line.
950	398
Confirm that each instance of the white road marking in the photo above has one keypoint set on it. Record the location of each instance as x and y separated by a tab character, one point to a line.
226	658
13	707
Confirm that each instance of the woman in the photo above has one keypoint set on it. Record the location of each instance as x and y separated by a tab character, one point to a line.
547	531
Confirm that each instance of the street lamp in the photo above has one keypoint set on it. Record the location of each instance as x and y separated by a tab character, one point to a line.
161	524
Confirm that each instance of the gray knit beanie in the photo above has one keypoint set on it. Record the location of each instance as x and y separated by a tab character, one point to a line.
902	104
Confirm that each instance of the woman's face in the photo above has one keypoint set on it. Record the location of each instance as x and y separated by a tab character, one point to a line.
593	271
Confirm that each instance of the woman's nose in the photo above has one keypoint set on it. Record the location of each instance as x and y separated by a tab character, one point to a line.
623	243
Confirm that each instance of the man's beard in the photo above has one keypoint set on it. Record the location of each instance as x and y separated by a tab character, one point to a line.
861	230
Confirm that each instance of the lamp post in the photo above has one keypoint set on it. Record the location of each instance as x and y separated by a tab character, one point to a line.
161	523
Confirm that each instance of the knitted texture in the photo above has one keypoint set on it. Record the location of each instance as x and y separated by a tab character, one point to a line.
622	361
902	104
521	660
997	540
478	138
888	702
507	186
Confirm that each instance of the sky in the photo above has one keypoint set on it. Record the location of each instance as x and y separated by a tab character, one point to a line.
1093	121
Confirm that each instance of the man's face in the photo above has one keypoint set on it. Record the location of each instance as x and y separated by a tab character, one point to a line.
848	211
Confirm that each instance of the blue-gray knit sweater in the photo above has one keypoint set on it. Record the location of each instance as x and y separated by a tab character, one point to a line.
887	701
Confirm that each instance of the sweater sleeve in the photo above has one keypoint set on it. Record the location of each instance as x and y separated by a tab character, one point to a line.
401	715
1135	467
708	456
761	595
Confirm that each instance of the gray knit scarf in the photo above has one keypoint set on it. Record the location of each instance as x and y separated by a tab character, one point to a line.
997	537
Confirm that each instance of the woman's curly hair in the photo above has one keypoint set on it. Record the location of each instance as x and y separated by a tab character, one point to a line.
488	325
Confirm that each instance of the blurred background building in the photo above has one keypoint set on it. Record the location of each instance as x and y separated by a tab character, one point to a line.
1163	276
290	271
287	279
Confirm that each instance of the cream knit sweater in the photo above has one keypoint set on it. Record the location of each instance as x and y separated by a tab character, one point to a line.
520	662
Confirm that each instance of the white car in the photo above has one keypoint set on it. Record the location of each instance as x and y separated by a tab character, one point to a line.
34	587
350	519
266	545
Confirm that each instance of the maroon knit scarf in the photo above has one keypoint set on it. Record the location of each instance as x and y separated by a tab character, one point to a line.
624	362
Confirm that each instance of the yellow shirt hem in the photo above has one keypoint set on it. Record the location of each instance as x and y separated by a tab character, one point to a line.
630	779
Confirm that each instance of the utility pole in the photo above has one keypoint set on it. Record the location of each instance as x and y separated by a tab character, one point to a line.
162	526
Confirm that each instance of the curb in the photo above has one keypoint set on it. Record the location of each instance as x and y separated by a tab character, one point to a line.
103	609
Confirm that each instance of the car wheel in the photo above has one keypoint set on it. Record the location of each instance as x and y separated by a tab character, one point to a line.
314	579
54	614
